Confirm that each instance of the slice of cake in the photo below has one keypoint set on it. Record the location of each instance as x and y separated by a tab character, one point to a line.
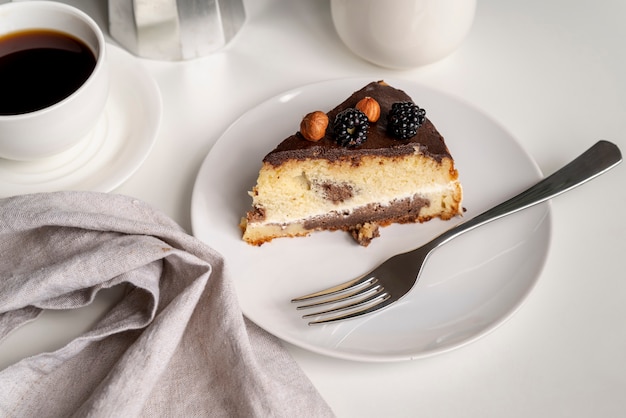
373	160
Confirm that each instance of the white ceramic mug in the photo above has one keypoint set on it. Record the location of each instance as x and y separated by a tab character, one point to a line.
60	126
402	34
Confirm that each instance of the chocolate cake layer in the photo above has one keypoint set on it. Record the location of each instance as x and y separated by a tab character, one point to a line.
399	211
430	142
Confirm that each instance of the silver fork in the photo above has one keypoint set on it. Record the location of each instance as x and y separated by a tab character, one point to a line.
393	279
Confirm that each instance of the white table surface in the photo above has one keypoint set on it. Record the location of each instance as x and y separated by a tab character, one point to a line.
554	74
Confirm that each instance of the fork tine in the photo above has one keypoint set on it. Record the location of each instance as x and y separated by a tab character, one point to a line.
354	292
379	304
380	293
361	281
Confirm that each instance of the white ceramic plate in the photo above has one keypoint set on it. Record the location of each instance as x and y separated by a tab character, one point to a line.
108	155
469	286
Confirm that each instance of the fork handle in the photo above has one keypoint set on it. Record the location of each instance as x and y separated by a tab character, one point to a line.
598	159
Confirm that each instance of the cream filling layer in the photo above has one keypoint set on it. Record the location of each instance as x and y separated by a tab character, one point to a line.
324	207
294	192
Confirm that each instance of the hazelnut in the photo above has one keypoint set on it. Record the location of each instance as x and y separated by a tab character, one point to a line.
370	107
313	125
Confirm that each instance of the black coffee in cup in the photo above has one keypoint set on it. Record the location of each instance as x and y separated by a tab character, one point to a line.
39	68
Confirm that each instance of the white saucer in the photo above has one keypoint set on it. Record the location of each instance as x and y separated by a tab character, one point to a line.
112	152
469	287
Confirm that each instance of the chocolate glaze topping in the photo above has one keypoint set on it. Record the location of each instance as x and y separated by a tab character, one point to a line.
379	142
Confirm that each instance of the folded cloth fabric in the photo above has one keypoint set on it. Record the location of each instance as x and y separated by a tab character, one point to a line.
176	343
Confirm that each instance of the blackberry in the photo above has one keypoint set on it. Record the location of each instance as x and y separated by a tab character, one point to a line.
350	128
404	119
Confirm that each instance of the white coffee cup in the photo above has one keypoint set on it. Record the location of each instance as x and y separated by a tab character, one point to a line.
402	34
42	133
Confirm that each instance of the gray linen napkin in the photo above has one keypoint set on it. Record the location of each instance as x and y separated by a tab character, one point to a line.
175	345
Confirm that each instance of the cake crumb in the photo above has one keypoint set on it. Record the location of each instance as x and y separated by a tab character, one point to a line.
365	233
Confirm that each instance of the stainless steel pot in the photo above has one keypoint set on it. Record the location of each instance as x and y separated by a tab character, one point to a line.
175	29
